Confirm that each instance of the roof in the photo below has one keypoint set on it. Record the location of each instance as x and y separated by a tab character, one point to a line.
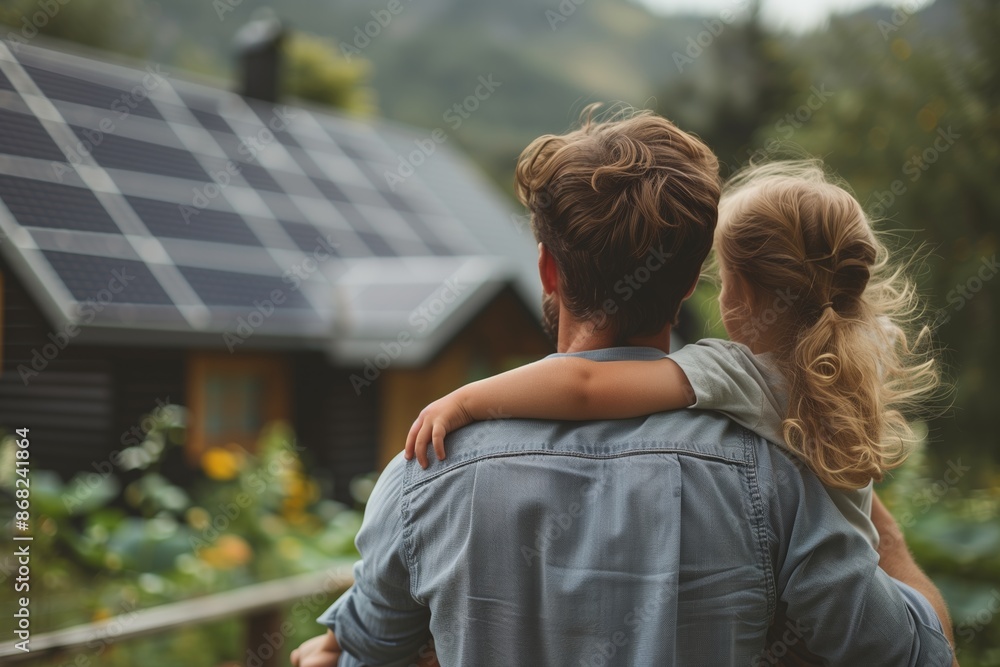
145	208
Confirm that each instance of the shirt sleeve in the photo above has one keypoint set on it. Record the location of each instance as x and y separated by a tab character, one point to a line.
728	378
856	506
377	621
845	608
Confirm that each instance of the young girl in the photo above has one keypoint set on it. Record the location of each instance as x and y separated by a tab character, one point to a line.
820	362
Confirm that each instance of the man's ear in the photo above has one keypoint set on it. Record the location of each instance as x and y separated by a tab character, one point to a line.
547	270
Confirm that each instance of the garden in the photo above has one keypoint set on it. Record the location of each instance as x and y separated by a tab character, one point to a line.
122	537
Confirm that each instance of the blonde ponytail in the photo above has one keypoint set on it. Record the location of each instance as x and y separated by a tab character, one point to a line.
854	368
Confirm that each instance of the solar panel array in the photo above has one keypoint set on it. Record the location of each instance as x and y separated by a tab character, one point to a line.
208	202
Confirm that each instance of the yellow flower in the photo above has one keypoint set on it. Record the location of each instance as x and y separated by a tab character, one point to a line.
228	552
300	492
221	464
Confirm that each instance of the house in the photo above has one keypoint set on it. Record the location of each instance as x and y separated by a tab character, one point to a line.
166	240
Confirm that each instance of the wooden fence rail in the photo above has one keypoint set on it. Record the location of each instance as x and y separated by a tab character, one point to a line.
260	605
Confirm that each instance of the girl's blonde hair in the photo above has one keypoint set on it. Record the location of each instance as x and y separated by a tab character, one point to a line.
837	314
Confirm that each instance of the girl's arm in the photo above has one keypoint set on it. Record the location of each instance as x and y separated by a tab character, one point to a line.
568	388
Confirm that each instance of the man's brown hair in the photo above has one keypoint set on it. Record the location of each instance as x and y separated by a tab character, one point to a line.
627	208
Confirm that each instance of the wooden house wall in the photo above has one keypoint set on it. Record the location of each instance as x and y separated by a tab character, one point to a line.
69	406
338	427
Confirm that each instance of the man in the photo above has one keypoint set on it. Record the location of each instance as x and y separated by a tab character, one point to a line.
677	539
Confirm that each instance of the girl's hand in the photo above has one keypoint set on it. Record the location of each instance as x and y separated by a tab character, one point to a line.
434	422
322	651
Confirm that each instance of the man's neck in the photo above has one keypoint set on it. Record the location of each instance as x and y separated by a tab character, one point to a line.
581	337
661	340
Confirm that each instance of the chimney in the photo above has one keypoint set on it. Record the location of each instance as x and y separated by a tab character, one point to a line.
258	48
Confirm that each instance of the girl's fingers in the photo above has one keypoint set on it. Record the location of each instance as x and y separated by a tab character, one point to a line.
422	441
425	431
411	438
437	435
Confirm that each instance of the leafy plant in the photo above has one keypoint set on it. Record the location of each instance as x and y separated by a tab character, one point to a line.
954	534
104	548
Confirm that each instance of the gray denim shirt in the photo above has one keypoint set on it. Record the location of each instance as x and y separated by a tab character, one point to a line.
672	539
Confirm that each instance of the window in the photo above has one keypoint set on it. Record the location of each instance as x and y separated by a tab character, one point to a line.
231	397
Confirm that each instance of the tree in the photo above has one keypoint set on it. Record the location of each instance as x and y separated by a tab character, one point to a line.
912	123
746	82
316	71
112	25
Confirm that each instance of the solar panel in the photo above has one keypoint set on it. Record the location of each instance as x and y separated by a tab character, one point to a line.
24	135
205	224
399	202
212	121
242	162
307	237
366	195
91	278
229	143
71	89
379	246
345	144
157	204
353	216
426	234
227	288
117	152
258	177
331	190
264	113
37	203
282	206
306	163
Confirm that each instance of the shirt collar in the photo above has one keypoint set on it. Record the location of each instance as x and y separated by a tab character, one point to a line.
627	353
